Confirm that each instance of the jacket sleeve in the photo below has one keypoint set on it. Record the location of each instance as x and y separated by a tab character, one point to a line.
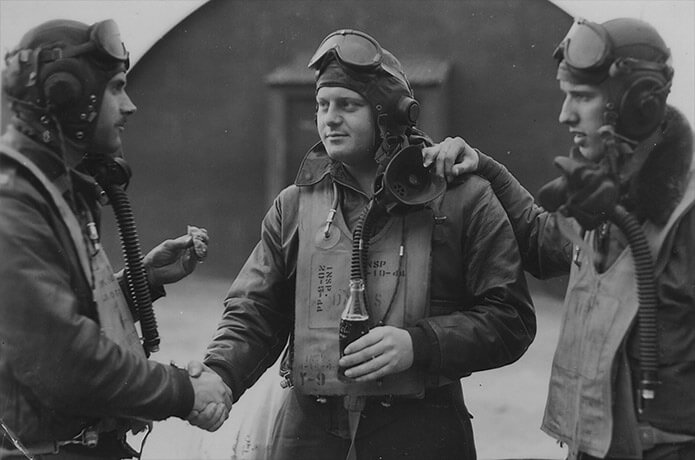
482	316
259	307
51	347
545	252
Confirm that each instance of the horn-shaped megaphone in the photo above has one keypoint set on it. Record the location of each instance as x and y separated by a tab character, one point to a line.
407	185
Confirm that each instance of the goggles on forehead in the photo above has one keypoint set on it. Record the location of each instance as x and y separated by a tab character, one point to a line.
351	47
107	39
586	46
354	49
104	36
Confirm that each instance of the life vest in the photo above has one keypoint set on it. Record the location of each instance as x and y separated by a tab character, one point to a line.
115	319
397	291
590	387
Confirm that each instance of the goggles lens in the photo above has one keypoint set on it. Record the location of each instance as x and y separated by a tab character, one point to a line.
107	38
352	47
585	47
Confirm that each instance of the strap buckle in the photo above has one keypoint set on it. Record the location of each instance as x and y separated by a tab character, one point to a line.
88	437
286	376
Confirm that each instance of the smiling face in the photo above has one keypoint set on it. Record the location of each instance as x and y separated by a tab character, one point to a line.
113	113
582	110
346	127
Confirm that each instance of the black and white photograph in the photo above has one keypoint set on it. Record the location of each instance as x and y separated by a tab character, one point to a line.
347	229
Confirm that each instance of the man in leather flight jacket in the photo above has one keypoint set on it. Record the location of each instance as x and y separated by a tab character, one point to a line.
445	288
74	377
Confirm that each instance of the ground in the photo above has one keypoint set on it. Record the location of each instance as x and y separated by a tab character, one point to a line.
507	404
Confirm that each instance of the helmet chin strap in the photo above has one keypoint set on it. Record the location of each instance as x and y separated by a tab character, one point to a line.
610	120
610	137
625	157
392	136
617	148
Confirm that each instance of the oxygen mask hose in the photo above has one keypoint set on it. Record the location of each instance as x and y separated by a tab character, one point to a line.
648	302
136	275
113	174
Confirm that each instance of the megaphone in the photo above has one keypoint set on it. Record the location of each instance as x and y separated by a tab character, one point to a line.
407	185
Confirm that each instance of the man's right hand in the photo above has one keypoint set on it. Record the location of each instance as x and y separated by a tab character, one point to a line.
451	157
213	399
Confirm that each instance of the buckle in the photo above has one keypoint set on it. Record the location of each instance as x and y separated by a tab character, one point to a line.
386	401
286	376
88	437
24	55
50	55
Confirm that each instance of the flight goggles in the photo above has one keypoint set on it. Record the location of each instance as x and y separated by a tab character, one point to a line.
107	39
104	36
354	49
586	46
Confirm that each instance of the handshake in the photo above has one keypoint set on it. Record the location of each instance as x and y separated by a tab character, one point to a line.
213	399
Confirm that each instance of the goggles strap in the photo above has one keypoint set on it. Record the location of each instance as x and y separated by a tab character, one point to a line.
623	66
54	54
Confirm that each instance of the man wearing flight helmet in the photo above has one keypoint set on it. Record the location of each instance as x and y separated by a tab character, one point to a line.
74	376
623	378
444	289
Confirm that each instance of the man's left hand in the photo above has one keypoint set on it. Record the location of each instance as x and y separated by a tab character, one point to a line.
586	191
385	350
175	259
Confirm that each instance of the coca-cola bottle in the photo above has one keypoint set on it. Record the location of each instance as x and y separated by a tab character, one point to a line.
354	321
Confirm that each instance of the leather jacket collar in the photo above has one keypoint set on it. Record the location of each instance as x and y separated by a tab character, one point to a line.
52	164
317	165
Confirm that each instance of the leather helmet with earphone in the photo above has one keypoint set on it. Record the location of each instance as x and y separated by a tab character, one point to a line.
640	96
628	57
383	84
58	73
354	60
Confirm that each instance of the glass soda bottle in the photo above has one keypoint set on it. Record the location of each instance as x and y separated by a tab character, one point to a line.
354	321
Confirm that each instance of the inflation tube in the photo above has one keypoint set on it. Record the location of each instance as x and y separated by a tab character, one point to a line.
648	301
136	275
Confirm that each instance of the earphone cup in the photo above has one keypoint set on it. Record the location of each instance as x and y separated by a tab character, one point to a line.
642	107
62	88
407	111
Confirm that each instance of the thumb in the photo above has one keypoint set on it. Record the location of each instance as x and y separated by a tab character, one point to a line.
181	242
428	155
195	369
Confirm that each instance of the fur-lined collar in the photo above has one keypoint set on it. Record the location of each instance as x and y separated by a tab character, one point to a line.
660	183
